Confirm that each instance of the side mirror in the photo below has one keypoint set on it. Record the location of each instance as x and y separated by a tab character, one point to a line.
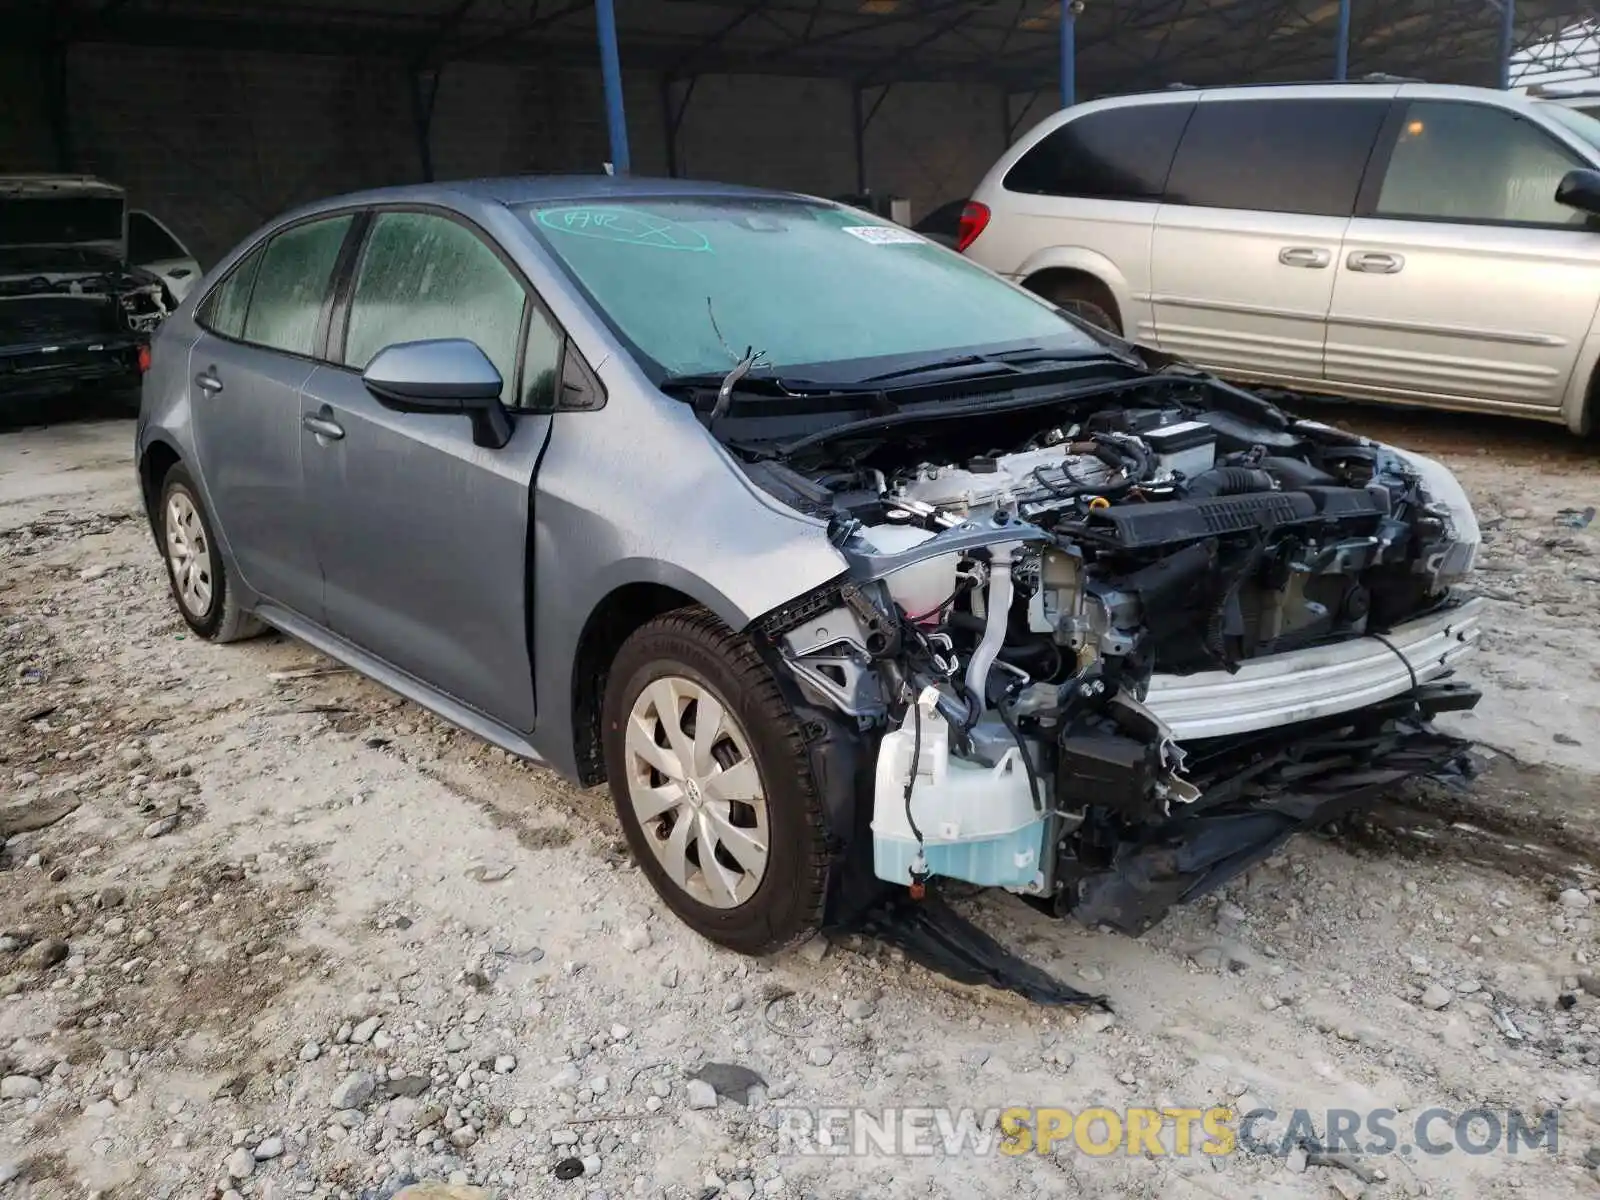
1580	189
447	375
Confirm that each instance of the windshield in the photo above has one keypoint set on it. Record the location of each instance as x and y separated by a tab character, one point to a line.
691	283
1576	121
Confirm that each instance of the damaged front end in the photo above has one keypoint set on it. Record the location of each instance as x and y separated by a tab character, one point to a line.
1110	658
72	309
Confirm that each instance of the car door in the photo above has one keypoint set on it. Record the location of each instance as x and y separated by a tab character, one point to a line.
422	535
1462	281
151	245
260	328
1255	210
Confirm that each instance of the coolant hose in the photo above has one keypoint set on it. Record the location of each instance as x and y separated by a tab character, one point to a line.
1230	481
998	609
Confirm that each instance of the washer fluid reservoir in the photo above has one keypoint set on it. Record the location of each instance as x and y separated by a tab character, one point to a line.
919	589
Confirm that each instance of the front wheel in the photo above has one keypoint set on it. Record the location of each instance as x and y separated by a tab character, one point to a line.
713	785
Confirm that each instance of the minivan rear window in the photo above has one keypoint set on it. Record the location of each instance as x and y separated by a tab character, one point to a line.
1114	154
1274	155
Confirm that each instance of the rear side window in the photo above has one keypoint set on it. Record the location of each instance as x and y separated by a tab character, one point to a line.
224	310
1288	156
292	285
1475	163
1115	154
424	276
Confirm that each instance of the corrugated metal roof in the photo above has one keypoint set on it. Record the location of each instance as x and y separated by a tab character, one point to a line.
1122	44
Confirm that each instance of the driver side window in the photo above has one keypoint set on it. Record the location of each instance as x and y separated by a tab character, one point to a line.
1472	163
423	276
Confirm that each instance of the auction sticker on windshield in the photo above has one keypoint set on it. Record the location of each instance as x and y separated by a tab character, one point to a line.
883	235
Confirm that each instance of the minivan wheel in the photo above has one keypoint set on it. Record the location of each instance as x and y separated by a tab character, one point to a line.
194	564
1086	299
709	773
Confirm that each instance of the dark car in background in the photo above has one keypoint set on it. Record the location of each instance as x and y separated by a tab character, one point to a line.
73	311
943	224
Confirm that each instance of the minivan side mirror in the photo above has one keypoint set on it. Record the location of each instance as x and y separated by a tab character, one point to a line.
1580	189
444	375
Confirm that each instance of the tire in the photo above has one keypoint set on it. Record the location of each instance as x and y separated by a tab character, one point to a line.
675	665
207	603
1087	299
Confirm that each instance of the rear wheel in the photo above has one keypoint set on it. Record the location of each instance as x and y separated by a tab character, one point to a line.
713	786
195	568
1087	299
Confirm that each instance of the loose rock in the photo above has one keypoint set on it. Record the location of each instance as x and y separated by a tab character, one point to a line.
47	952
1436	996
19	1087
353	1091
241	1164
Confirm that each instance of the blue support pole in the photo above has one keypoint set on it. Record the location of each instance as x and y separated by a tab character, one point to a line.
611	73
1069	52
1508	27
1341	52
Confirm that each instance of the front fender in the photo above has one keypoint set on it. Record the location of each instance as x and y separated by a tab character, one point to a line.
680	579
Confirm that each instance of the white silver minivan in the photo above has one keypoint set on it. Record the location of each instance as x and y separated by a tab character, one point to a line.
1409	242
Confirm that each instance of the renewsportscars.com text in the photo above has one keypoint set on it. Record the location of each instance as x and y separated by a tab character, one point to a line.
1168	1131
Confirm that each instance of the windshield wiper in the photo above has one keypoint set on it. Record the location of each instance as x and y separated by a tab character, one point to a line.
760	385
752	358
1001	362
939	366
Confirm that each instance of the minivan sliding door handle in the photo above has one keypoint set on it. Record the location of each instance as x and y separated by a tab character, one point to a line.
1376	264
1312	257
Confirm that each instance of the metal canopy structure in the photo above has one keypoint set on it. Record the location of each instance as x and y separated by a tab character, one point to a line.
1028	48
1121	44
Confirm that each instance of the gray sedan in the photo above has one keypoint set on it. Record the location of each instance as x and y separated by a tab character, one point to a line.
846	563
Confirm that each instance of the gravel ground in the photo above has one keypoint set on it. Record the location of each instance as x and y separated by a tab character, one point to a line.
285	934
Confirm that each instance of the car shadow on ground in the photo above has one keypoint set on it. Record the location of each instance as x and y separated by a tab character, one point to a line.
99	404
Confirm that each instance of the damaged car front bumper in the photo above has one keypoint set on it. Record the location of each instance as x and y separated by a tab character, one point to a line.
1304	685
1259	790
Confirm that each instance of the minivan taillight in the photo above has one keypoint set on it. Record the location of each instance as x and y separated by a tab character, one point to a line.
144	359
974	220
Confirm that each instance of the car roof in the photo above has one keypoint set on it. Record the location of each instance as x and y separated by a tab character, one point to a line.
1355	89
526	189
1362	89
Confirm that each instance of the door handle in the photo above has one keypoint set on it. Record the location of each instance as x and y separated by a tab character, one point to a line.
1311	257
1376	264
323	427
207	381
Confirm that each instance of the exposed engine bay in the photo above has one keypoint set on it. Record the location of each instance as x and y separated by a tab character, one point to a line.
1019	582
110	300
